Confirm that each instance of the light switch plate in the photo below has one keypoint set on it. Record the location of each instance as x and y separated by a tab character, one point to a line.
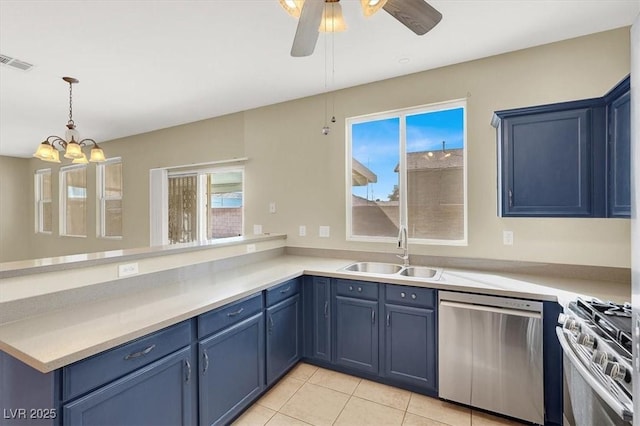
302	231
507	238
272	207
257	229
251	248
324	231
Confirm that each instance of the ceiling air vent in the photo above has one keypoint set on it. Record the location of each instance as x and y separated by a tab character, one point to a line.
15	63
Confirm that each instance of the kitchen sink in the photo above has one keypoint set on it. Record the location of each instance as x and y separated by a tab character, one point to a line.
374	268
394	269
421	272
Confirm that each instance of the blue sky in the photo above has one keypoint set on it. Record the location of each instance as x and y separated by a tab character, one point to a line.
376	144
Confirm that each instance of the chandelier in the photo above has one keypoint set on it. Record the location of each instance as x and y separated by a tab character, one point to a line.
71	143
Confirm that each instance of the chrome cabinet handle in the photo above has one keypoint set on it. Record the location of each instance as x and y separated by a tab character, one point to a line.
141	353
510	198
188	365
270	323
326	309
373	317
238	312
205	359
285	290
388	320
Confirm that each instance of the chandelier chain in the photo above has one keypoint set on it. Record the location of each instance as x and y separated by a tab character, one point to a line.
71	104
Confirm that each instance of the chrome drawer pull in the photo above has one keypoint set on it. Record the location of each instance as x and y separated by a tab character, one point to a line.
188	365
373	317
285	290
326	309
233	314
388	320
141	353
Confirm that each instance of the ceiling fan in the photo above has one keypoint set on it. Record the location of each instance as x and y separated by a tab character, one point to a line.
417	15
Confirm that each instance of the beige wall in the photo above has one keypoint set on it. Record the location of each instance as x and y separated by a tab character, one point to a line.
293	164
15	202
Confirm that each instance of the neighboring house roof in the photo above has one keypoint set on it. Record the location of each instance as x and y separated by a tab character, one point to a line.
361	175
422	160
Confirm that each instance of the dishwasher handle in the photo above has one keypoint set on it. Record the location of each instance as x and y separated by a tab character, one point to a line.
492	309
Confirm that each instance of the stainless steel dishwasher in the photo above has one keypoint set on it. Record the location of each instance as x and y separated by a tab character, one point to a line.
490	354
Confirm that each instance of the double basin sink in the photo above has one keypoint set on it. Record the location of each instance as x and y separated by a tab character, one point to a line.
382	268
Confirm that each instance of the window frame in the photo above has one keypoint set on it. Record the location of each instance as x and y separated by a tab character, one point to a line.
101	198
202	202
63	194
402	114
39	200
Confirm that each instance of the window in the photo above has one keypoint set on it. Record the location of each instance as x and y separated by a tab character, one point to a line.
109	178
408	168
73	201
205	204
44	213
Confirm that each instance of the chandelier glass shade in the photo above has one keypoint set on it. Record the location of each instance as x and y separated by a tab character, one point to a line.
71	144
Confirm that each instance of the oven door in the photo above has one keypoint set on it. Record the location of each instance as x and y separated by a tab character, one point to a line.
587	401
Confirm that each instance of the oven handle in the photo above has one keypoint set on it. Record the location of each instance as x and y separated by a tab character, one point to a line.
621	410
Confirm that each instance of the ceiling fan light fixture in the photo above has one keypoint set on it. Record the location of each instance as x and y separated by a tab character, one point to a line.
292	7
370	7
332	18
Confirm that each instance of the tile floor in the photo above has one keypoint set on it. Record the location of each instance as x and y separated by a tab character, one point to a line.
309	395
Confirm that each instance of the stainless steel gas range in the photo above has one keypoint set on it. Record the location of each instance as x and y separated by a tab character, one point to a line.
596	339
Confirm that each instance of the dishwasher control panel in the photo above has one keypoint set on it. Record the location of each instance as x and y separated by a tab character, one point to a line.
493	301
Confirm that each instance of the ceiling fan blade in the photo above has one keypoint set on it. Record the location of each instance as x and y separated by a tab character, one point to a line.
417	15
307	32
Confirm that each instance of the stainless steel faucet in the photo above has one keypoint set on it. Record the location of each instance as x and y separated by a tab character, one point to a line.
403	244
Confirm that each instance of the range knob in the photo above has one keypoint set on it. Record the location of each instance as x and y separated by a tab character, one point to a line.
600	358
561	319
586	340
571	325
615	371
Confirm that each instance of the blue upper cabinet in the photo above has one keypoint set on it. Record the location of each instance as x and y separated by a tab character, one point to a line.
619	150
559	160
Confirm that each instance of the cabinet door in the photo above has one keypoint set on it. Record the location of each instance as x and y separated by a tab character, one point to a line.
284	343
357	334
321	319
546	164
231	370
619	187
158	394
410	345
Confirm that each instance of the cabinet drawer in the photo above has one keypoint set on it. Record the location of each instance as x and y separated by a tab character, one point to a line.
88	374
228	315
359	289
411	296
282	291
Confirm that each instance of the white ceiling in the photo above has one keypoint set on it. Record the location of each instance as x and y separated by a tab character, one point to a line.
145	65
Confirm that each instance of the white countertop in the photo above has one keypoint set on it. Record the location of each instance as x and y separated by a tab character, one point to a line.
58	338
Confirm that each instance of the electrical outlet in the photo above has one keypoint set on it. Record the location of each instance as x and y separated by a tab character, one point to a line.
324	231
302	231
257	229
507	238
272	207
251	248
127	269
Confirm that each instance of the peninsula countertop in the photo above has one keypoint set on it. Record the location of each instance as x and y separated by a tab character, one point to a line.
53	339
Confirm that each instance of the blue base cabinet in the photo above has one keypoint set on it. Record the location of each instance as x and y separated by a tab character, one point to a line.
320	332
231	370
158	394
410	345
357	334
284	337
